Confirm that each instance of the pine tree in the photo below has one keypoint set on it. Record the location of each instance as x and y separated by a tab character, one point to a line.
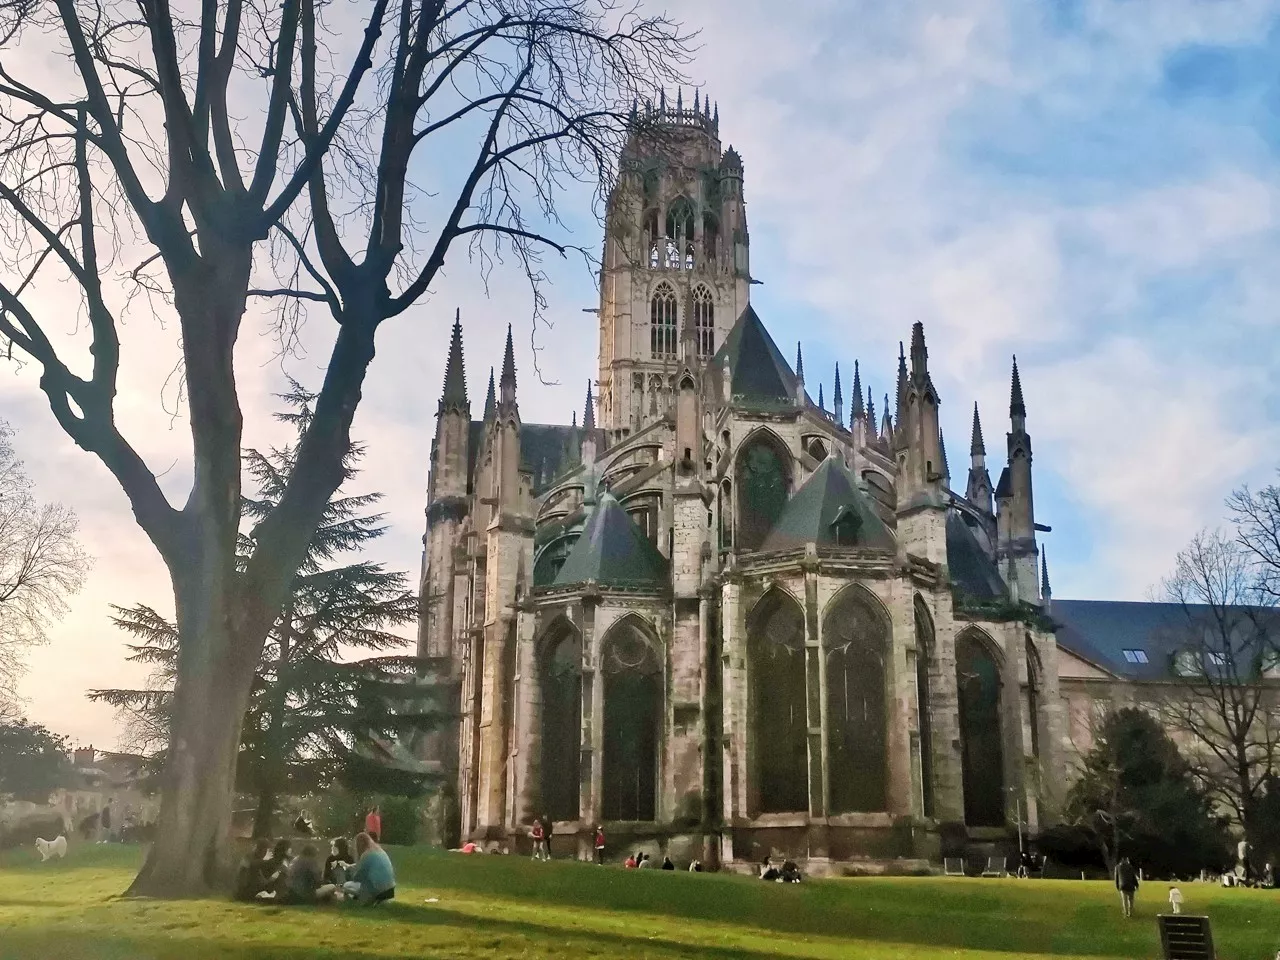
314	716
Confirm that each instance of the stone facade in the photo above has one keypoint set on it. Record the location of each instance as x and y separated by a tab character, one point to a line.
721	619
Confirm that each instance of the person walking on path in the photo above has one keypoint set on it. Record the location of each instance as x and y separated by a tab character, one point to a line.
539	838
599	844
1175	899
1127	884
373	824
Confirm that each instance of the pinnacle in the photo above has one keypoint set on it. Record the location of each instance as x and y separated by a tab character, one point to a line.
902	384
919	355
490	405
837	397
976	446
1016	407
799	363
589	416
508	365
839	392
455	376
821	403
859	411
942	446
1045	592
871	411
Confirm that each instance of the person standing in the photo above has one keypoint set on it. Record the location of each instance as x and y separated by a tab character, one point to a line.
539	838
105	822
1175	899
1127	884
373	824
551	829
600	844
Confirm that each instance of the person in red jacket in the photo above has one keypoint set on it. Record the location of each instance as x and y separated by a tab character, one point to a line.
373	824
599	844
539	838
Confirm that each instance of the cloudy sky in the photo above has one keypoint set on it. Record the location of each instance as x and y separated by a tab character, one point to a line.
1090	184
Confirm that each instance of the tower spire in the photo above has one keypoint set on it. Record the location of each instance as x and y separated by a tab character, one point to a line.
902	384
490	404
799	364
822	405
976	446
919	354
508	367
837	401
589	415
1045	593
886	426
857	410
1016	407
454	394
946	470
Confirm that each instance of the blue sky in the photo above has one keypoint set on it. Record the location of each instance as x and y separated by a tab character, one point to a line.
1093	185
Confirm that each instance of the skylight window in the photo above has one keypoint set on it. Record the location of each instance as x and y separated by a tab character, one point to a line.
1136	656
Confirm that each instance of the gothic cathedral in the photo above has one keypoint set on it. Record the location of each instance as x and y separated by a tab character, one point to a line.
720	618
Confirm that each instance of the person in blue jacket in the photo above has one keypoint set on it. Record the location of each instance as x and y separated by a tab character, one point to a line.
374	880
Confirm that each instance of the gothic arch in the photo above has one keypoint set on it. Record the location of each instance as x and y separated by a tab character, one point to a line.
778	727
559	663
663	320
704	320
926	652
762	474
1035	681
680	221
631	661
710	237
978	686
855	642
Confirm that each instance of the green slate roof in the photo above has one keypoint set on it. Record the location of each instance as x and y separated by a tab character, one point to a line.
830	494
757	369
971	569
613	551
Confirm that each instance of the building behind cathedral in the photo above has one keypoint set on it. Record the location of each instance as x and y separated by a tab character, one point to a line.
732	619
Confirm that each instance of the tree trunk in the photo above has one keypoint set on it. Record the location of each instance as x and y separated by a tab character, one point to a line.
264	814
215	675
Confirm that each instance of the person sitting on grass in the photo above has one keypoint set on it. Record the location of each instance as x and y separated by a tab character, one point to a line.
303	877
632	862
276	872
790	873
645	863
255	871
375	879
768	871
339	863
667	864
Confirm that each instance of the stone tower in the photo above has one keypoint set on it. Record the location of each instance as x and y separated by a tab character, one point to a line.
1015	517
918	452
675	260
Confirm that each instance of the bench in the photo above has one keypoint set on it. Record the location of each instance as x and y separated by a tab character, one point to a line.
995	867
953	866
1184	937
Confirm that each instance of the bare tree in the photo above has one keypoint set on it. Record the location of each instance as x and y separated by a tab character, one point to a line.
1226	642
139	155
41	565
1256	515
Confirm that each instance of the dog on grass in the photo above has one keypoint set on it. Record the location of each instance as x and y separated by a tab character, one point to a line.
52	849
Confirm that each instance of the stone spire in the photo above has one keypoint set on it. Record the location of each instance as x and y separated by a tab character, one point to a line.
507	385
837	401
1017	409
490	405
976	446
870	415
822	404
858	411
589	415
454	395
946	470
799	364
919	354
902	385
886	425
1045	593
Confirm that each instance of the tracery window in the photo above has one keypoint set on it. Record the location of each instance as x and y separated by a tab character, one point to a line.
981	748
779	728
854	638
560	675
704	321
632	721
924	701
763	480
662	321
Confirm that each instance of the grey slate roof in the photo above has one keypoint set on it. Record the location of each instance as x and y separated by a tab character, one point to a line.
972	571
759	373
613	551
1099	631
812	510
547	450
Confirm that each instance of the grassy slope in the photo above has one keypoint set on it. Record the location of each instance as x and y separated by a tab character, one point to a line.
507	907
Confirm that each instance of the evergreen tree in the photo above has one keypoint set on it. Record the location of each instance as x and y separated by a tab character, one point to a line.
1137	797
314	716
33	761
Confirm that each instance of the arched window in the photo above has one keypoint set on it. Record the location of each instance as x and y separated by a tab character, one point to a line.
817	449
560	678
779	777
725	511
680	221
981	749
854	639
651	237
763	477
632	721
924	701
1033	696
662	321
704	322
710	238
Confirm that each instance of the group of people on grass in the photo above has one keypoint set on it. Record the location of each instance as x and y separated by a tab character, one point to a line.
786	872
274	874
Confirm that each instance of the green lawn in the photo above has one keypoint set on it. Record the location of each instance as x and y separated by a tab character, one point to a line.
508	907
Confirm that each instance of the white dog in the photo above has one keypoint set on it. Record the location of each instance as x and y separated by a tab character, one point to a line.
52	849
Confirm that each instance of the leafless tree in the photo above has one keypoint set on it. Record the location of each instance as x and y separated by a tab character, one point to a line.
134	176
1226	636
41	565
1256	515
